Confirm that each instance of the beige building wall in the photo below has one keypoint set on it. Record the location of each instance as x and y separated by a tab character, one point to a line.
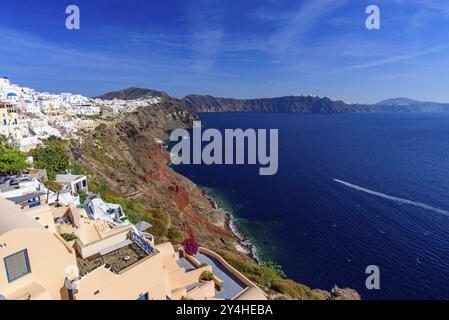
52	261
49	257
49	261
158	276
146	276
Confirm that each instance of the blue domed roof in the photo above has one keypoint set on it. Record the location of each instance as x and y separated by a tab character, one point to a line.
28	101
12	94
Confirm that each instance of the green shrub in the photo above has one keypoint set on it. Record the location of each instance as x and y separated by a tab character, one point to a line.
270	277
68	237
98	187
51	156
77	169
83	196
295	290
273	266
11	160
53	186
175	235
207	276
159	229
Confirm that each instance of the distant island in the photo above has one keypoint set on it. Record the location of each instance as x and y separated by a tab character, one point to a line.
297	104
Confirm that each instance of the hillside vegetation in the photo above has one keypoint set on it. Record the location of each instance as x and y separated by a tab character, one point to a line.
127	166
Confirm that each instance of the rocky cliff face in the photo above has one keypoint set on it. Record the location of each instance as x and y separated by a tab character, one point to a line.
307	104
304	104
124	154
410	105
127	165
132	94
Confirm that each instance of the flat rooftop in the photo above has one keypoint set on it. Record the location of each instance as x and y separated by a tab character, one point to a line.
117	260
68	178
26	197
7	187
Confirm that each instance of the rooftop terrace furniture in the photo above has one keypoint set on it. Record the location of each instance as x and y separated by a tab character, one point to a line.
114	259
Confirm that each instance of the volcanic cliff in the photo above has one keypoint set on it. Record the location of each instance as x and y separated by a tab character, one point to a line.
128	165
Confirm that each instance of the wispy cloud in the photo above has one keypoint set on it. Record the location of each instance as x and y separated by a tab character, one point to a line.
421	14
206	45
205	23
232	47
397	58
439	7
288	40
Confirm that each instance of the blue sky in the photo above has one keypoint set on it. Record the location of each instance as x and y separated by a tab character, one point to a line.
230	48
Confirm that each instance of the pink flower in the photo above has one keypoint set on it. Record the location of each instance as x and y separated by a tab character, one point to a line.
190	246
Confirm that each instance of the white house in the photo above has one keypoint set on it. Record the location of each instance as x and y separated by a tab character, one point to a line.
105	211
74	183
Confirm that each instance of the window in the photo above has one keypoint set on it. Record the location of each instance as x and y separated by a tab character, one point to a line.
143	297
17	265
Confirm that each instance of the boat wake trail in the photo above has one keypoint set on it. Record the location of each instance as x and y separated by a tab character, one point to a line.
396	199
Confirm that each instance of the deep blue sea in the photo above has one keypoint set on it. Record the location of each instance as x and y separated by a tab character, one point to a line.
324	232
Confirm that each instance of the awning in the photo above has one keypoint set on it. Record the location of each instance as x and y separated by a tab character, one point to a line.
143	225
26	197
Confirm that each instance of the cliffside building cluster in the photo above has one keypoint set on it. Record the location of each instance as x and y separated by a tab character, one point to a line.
28	116
58	250
57	246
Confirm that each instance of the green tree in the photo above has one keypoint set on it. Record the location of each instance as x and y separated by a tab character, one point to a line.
11	160
51	156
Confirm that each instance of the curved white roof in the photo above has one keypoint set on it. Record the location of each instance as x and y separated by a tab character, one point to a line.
12	217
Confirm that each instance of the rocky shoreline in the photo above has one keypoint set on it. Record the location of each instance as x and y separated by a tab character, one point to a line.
138	170
244	244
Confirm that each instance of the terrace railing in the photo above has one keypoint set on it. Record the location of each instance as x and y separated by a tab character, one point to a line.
141	242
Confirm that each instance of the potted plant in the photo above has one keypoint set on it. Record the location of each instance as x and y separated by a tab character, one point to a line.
206	276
